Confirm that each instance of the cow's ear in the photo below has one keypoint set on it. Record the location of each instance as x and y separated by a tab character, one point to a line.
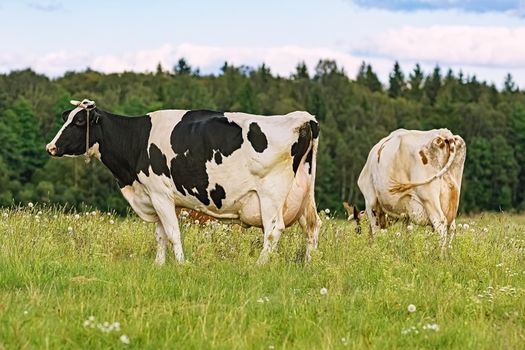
65	114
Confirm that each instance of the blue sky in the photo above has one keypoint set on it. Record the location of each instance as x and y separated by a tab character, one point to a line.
486	38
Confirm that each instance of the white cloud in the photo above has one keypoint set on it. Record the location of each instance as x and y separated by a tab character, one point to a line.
281	60
498	47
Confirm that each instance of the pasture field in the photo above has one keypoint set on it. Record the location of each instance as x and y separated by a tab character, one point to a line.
63	276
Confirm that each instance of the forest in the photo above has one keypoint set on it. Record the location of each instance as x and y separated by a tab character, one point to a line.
354	110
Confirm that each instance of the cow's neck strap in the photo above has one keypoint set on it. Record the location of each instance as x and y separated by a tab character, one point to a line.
87	137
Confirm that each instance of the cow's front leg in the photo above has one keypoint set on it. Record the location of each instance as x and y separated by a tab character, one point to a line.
273	225
161	237
165	209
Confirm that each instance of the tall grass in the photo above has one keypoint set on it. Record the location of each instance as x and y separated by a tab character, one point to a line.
63	276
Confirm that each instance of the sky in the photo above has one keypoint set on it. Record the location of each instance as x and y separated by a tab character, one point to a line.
483	38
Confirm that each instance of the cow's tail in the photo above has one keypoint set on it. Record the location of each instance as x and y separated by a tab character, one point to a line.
399	187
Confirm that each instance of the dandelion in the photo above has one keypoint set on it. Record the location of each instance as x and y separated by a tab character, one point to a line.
327	211
124	339
410	227
411	308
323	291
30	205
466	226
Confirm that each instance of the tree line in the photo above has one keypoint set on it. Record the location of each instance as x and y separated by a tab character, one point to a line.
354	114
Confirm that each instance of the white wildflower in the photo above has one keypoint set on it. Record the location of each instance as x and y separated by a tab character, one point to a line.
411	308
87	323
260	300
55	216
197	222
91	318
26	312
382	230
70	229
30	205
466	226
323	291
108	214
398	234
327	211
485	229
93	213
111	222
77	216
39	212
271	347
431	326
410	227
5	215
124	339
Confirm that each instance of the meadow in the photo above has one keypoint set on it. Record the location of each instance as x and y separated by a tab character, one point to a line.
88	281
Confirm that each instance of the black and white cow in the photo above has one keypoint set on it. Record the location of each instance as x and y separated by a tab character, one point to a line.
256	170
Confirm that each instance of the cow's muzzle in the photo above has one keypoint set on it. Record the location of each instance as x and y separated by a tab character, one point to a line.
51	149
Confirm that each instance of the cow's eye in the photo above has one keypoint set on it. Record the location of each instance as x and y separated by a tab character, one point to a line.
80	122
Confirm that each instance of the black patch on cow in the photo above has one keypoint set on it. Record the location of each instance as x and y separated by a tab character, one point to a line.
314	126
218	158
217	195
300	147
158	161
194	140
257	138
123	146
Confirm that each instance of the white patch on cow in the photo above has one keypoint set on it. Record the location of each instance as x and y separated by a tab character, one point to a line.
68	121
94	151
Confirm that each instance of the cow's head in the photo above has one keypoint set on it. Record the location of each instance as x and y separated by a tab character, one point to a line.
71	138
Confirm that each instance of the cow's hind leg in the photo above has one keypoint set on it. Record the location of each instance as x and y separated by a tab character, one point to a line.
451	232
165	209
310	223
160	259
438	220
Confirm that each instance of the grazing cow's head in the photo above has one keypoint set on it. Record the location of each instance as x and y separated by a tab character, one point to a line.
71	138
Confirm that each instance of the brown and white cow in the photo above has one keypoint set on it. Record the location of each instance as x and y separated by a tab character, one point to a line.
416	175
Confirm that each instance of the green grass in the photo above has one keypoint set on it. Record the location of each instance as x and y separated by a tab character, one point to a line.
52	280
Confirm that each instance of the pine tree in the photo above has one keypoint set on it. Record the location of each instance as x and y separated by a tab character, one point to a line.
397	85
